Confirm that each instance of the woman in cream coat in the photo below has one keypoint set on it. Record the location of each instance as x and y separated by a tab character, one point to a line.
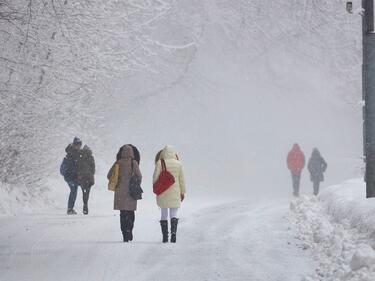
170	200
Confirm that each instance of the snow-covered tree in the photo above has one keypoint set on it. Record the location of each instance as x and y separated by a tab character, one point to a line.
55	57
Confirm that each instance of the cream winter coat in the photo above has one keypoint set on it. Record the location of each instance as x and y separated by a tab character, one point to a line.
170	198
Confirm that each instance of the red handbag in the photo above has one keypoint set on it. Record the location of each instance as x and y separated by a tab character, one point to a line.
165	180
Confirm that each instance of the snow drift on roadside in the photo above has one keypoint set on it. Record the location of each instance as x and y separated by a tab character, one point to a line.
338	226
347	203
21	200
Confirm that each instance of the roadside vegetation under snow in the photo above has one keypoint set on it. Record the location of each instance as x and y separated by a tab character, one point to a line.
338	227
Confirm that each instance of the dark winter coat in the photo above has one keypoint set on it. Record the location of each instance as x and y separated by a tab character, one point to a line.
123	200
86	168
317	166
72	157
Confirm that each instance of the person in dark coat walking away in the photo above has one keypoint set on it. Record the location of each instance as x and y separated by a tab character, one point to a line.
316	166
296	163
70	172
122	200
86	172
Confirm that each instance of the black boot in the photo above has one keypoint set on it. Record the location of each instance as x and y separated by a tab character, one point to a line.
131	225
174	223
71	212
123	224
126	236
86	194
164	230
85	209
127	224
131	236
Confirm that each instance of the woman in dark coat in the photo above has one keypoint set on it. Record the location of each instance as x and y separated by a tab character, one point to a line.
123	201
86	172
316	166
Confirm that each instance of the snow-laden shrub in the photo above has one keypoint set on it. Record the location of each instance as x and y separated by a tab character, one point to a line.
338	227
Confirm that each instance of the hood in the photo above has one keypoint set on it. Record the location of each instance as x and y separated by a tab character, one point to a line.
70	149
86	150
296	147
127	152
315	153
168	153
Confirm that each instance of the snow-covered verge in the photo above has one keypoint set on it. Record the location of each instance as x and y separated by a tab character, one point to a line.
338	226
21	200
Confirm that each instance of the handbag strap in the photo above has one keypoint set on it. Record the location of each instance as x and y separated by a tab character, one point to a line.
163	166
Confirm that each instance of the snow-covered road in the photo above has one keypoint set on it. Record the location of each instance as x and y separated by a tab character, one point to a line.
226	241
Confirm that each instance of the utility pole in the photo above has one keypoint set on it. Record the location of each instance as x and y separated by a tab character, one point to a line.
368	92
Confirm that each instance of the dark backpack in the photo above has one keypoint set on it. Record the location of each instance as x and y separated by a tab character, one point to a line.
64	167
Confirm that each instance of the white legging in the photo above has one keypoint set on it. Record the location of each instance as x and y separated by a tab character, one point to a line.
172	213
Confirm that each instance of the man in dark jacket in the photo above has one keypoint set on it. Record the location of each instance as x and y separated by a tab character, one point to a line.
316	166
86	171
71	172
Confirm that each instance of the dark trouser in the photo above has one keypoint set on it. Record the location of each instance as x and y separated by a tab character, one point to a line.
296	178
85	194
316	185
127	219
73	194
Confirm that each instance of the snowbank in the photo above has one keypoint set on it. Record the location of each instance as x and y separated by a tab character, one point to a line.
338	226
347	203
52	196
21	200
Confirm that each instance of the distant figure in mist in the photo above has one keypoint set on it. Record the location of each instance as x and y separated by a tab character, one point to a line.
78	169
86	172
296	163
316	166
169	176
127	161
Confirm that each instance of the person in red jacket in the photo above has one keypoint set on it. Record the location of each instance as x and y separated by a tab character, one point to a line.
296	163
